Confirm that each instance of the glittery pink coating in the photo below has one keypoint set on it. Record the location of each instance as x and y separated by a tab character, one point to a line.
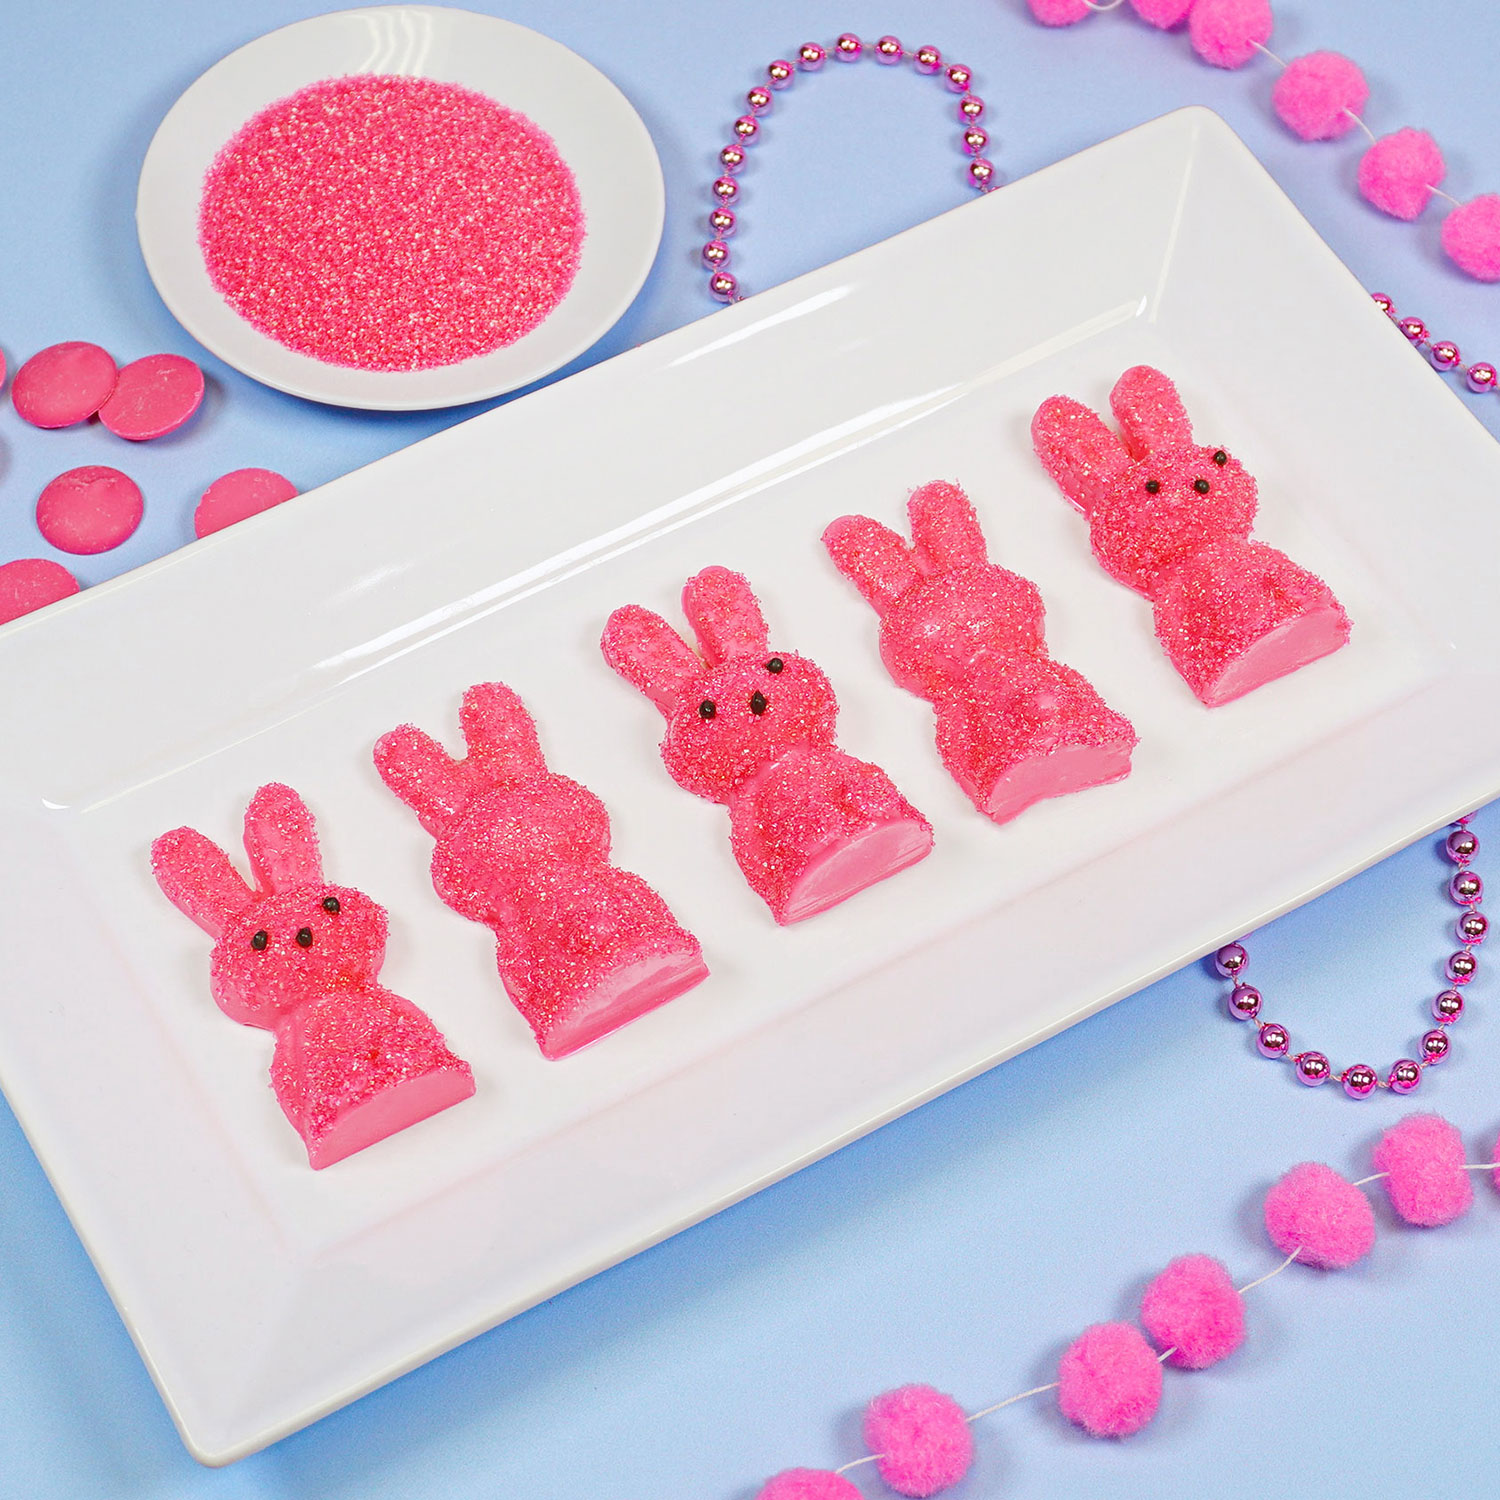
966	634
924	1441
238	495
808	1484
89	510
582	947
1399	171
1321	1215
1423	1156
301	958
1319	95
754	728
152	397
1108	1380
1171	519
63	384
391	223
1194	1309
31	583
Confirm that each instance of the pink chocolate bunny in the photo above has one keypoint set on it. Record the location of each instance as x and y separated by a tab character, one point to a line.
754	730
1171	519
1013	726
582	947
353	1062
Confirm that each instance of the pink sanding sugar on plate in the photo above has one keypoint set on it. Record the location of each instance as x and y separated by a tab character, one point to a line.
391	223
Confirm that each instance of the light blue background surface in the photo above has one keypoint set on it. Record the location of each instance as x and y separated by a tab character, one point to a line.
965	1244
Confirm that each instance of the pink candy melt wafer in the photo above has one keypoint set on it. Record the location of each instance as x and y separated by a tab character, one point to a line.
234	496
89	510
63	384
152	397
30	583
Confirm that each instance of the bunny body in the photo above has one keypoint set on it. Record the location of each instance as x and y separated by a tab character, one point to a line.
582	946
754	730
1013	726
300	958
1171	519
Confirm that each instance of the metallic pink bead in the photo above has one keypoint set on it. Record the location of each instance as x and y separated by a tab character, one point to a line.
1231	960
1359	1081
759	99
982	174
780	74
1473	927
724	286
889	50
722	221
958	77
1435	1045
1244	1002
1414	328
927	60
1466	887
1445	356
1482	377
1312	1068
1447	1007
848	47
1273	1040
726	189
970	109
1384	303
747	128
716	255
810	57
1461	966
975	140
1461	845
732	157
1404	1076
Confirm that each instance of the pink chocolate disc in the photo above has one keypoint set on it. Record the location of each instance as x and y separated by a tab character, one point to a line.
89	510
64	384
31	582
245	492
152	397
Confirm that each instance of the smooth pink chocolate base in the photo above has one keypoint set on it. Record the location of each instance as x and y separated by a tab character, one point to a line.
389	1111
630	991
1285	649
1072	768
846	866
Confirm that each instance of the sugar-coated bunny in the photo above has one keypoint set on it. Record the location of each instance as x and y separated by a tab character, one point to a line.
582	947
1013	726
1171	519
754	729
299	957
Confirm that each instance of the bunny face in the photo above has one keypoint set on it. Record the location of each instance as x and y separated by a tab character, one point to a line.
737	709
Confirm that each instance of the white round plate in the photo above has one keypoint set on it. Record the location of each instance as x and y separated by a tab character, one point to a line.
601	137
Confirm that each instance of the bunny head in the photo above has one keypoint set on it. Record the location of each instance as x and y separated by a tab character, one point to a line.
289	938
736	709
942	603
1153	497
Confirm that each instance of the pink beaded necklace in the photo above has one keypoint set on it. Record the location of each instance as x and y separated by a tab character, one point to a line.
1359	1079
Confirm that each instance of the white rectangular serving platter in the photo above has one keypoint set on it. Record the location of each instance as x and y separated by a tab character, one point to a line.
263	1295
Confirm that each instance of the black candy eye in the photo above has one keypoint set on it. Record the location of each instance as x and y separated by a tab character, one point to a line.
304	937
259	941
1152	486
775	664
1221	458
758	703
331	905
707	709
1201	485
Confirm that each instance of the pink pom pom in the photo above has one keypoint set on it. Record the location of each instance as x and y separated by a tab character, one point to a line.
1319	95
1058	12
1471	236
1163	13
1227	32
1321	1215
1424	1157
1109	1381
1193	1307
1398	172
809	1484
922	1438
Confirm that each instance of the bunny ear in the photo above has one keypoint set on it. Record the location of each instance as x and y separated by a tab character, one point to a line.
281	840
500	733
196	877
1077	450
423	775
725	615
872	557
944	529
1150	412
647	652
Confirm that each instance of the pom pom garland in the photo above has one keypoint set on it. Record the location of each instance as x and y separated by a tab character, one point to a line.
1227	33
1163	14
1059	12
1319	96
1108	1380
1471	237
1398	173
